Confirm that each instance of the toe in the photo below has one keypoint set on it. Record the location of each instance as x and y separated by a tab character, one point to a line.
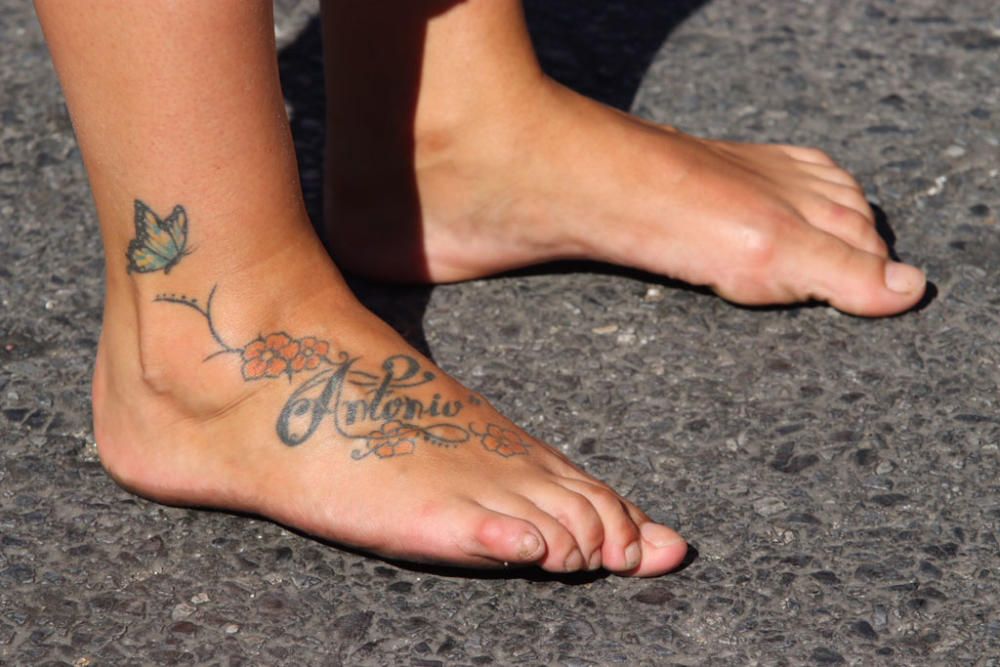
483	537
849	279
663	549
829	174
808	154
847	197
578	515
458	532
562	553
846	223
622	548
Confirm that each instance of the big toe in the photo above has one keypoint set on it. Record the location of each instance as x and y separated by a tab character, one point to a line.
663	550
855	281
471	535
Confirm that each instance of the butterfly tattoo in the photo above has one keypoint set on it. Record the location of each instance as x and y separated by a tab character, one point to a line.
158	243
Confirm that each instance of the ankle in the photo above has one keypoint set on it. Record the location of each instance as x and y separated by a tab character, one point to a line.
165	336
172	364
148	369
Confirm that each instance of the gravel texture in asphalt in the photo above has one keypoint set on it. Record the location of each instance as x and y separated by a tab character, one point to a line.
837	476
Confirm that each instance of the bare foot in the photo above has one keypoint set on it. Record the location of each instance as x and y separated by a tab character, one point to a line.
269	389
553	175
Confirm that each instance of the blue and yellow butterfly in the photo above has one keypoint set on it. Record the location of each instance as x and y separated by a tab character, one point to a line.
158	244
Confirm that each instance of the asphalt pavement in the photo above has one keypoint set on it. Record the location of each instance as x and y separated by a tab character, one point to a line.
837	476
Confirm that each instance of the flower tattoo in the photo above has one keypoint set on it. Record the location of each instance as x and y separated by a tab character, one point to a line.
503	441
312	353
384	401
392	439
269	356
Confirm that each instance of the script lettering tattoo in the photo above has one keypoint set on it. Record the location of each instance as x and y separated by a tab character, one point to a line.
379	411
385	421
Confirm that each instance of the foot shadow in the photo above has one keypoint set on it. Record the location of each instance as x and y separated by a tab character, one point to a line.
601	49
525	573
885	231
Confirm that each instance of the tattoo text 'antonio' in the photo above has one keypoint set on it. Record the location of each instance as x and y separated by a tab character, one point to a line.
381	413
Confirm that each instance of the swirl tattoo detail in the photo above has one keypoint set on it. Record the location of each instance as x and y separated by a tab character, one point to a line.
380	414
505	442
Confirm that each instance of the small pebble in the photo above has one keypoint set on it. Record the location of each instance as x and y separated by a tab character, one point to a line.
880	618
938	186
954	151
200	598
653	294
883	468
769	506
183	610
627	337
231	628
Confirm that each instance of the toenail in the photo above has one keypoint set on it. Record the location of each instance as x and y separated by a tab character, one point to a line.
595	560
903	278
574	561
529	546
659	536
633	554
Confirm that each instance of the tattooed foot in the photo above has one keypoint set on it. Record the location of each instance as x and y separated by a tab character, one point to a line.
278	394
557	176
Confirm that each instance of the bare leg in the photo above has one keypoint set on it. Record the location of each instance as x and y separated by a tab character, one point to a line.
493	166
235	368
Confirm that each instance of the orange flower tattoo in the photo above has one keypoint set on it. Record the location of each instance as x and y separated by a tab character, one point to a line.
392	439
269	356
311	353
503	441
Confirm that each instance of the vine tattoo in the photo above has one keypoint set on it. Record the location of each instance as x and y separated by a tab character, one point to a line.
379	411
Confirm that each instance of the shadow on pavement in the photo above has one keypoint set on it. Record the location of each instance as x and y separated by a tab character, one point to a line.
603	49
526	573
